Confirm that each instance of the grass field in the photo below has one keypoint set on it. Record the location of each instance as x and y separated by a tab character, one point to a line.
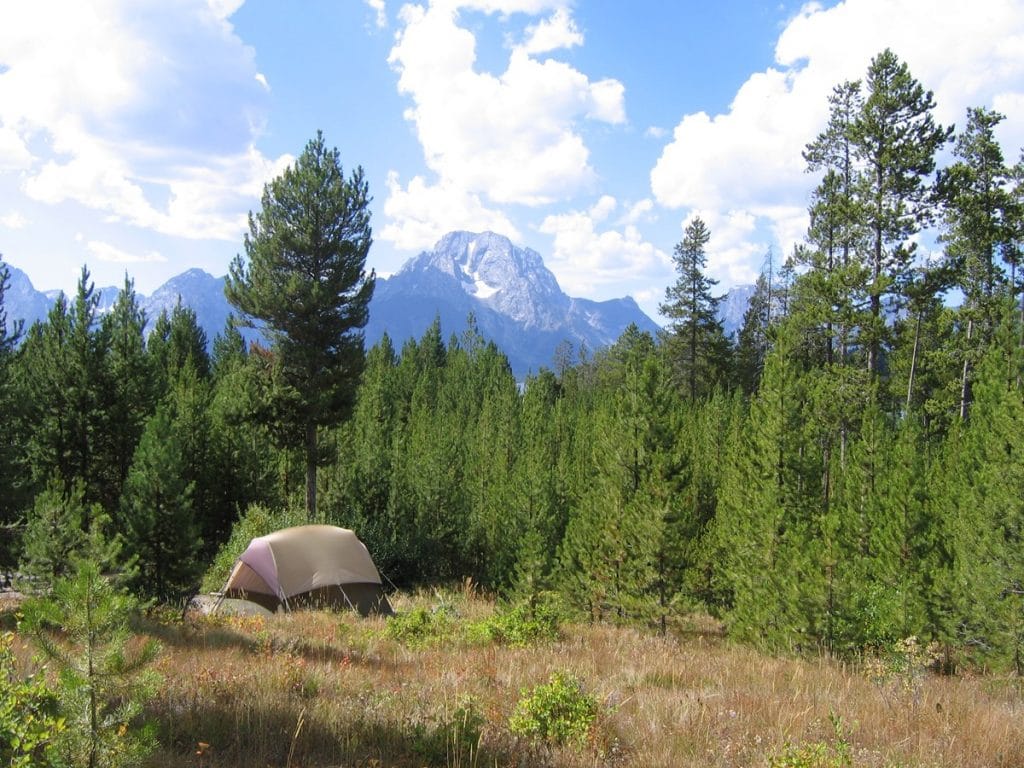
321	689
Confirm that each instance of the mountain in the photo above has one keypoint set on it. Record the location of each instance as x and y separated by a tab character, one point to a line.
22	301
196	289
515	299
733	307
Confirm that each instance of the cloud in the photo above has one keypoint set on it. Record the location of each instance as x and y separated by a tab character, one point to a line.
421	213
551	34
377	6
13	220
642	210
126	108
510	138
746	163
106	252
587	259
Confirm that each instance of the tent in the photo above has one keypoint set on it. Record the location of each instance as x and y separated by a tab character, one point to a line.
319	565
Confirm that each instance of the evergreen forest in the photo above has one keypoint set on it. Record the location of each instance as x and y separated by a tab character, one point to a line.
846	472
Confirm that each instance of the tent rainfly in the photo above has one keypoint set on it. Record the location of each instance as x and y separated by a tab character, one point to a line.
308	565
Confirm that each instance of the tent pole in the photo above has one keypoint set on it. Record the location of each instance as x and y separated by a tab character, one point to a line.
223	590
345	595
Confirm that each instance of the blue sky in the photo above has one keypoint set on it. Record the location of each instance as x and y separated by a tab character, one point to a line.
135	136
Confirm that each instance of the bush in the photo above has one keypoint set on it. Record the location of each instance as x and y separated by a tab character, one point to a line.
257	520
419	627
454	738
28	714
817	754
521	625
559	711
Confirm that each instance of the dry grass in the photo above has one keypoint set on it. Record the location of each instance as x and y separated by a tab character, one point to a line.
320	689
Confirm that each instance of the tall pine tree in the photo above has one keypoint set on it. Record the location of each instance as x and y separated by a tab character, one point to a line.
695	339
305	284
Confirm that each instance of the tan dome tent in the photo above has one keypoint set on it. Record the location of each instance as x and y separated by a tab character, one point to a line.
314	565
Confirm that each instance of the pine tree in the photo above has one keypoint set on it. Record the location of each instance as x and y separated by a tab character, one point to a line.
493	442
896	138
979	217
82	627
357	496
10	500
188	405
62	383
622	537
752	342
305	284
988	516
229	351
695	338
979	234
55	533
537	497
158	522
765	510
829	293
176	342
241	464
128	401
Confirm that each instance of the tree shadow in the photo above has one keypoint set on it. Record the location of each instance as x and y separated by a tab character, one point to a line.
287	735
206	636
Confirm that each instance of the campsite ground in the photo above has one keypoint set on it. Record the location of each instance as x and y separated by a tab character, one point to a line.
322	689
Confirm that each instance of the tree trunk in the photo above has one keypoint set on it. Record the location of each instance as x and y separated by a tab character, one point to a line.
876	305
913	360
310	471
964	379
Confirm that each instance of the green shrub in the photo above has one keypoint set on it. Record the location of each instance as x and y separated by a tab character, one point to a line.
454	738
257	520
559	711
902	665
819	754
29	723
521	625
419	627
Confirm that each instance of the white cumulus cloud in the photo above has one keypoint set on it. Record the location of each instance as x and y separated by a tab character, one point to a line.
743	168
107	252
551	34
380	13
494	139
421	213
587	257
139	111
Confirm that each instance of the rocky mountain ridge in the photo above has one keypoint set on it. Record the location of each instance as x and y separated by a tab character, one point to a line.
513	297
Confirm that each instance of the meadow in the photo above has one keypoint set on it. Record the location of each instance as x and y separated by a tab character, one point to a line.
440	687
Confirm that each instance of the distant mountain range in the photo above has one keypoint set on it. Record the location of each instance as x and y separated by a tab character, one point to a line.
514	297
196	289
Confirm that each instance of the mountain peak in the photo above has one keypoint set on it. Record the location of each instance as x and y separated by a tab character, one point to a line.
489	268
514	297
